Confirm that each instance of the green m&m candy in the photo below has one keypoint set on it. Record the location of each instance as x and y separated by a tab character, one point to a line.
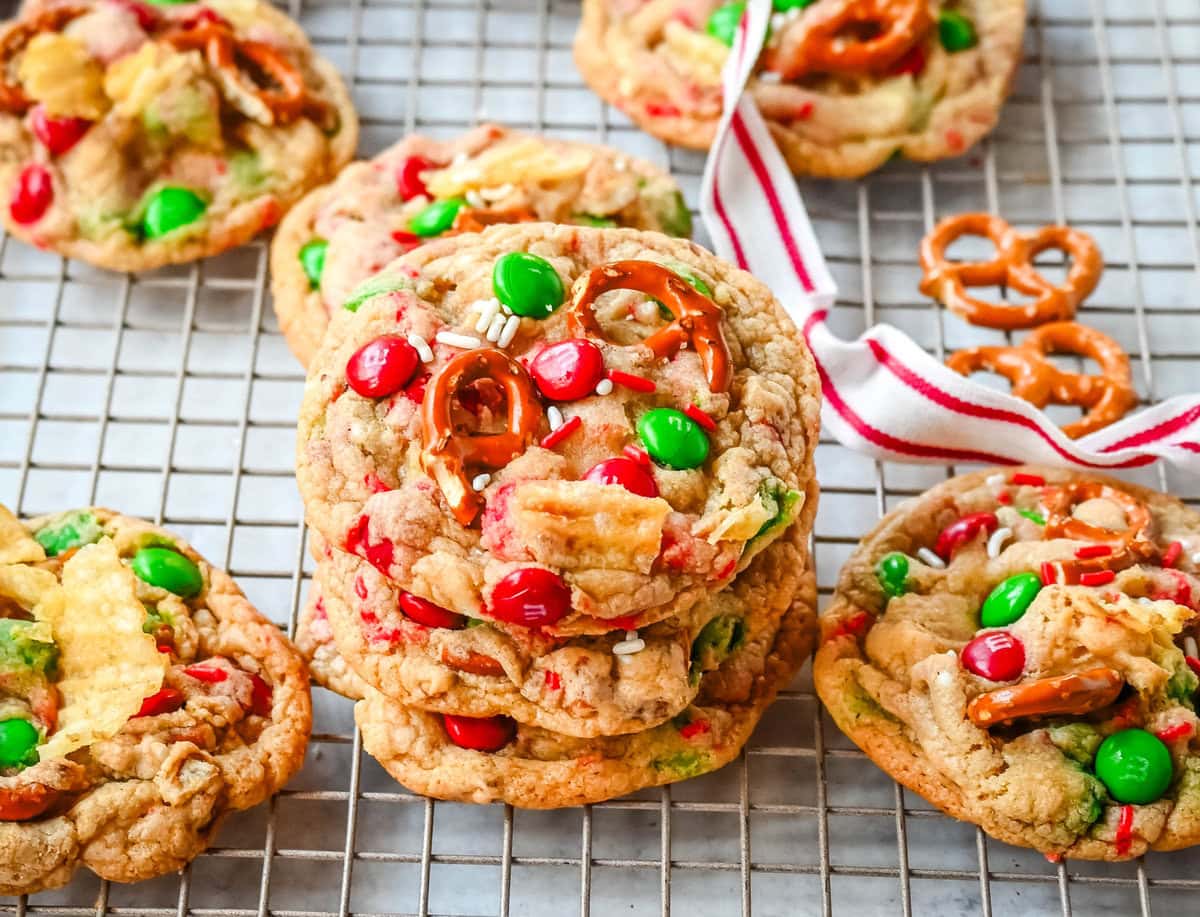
782	6
18	743
527	284
436	218
312	260
723	21
168	569
1135	766
956	31
892	573
1009	600
171	208
673	438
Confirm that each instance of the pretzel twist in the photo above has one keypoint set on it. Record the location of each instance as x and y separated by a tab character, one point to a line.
818	42
1074	694
226	54
1129	545
1105	398
13	41
1012	266
697	319
448	452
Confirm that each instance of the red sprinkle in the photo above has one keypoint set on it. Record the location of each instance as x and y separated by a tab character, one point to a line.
206	673
360	588
1193	663
406	240
1124	830
1171	557
373	484
700	417
261	695
1096	577
33	194
955	140
695	728
804	112
1049	574
553	681
408	177
662	110
853	626
1004	498
638	454
1178	731
1033	480
168	700
1053	857
632	382
554	437
1093	550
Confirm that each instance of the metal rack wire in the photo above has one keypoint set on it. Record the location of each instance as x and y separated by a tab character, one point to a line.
172	395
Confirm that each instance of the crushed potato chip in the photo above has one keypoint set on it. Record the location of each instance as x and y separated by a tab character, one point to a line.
521	162
107	664
25	585
16	545
698	54
57	71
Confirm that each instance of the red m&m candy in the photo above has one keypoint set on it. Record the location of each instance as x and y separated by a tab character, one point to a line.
425	612
408	177
568	370
57	134
531	596
995	655
480	734
382	367
634	477
958	533
33	194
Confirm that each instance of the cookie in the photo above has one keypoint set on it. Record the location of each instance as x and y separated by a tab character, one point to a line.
925	80
1019	647
621	682
422	188
143	699
314	639
521	495
498	760
136	135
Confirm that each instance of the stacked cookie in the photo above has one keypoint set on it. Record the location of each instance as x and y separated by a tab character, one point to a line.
571	565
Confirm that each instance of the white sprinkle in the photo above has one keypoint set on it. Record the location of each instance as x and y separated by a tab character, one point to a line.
459	159
511	324
996	543
505	309
554	415
474	199
631	635
604	387
628	647
497	326
620	164
1189	645
480	481
1196	558
452	339
487	311
995	480
777	21
1042	511
770	76
930	559
424	351
1145	601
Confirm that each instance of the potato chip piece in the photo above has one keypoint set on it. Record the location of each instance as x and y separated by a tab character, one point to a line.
520	162
25	585
58	71
16	545
107	664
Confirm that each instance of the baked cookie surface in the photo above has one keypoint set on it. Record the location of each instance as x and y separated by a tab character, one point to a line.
143	698
314	639
518	494
421	188
499	760
620	682
924	79
1018	647
135	135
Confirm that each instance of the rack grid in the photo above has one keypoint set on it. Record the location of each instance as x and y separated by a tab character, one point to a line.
172	395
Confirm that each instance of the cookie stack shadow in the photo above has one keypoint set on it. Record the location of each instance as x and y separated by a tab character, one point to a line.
573	641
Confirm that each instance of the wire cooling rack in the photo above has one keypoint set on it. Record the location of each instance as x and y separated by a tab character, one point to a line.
172	395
